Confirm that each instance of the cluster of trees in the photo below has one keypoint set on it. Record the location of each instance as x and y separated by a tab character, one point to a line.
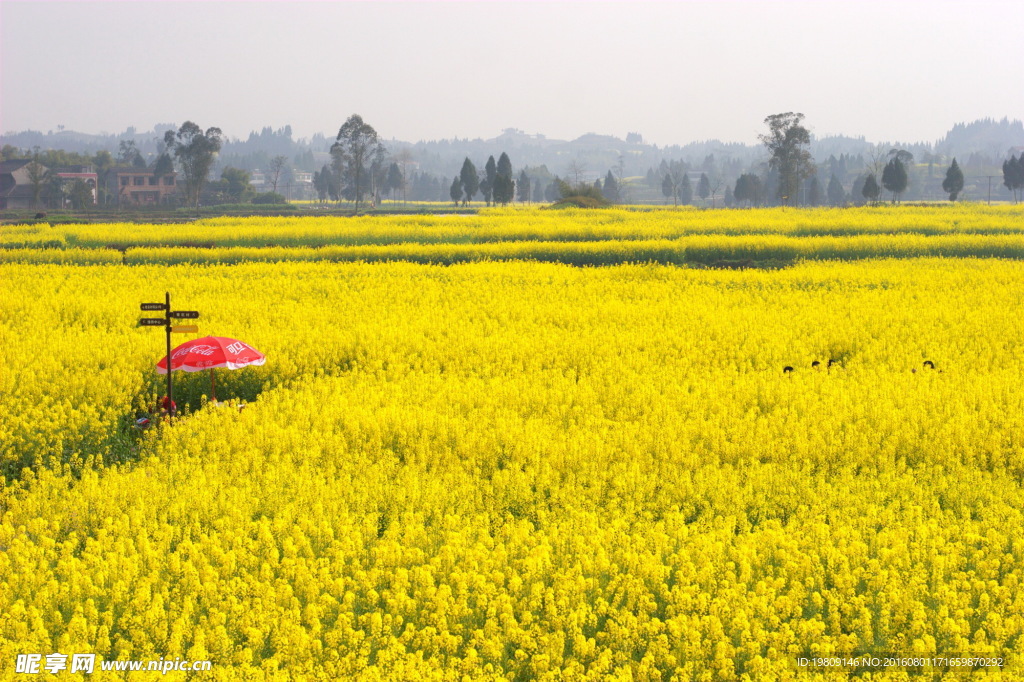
1013	176
496	185
361	168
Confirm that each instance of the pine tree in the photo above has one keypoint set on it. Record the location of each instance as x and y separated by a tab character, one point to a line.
455	191
685	190
704	186
523	187
814	192
611	188
470	181
1013	175
871	189
669	189
836	195
954	182
503	188
487	183
894	177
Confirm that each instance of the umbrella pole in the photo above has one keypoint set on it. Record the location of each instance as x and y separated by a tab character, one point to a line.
213	385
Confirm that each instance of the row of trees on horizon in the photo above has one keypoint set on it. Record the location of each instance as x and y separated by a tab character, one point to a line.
363	171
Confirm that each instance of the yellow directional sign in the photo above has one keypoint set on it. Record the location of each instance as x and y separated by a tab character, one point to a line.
185	329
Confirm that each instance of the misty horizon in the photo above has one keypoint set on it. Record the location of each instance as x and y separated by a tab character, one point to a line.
672	71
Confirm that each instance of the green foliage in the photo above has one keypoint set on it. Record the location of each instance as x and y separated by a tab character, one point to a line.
582	196
355	149
611	189
954	182
749	189
194	151
487	183
80	195
523	187
269	198
814	192
1013	175
455	191
871	190
237	188
786	140
129	155
836	194
395	181
470	181
504	189
894	177
704	186
504	186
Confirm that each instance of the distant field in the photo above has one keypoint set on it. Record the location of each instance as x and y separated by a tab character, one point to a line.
574	236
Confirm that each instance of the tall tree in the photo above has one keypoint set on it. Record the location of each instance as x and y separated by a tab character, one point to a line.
814	192
611	188
785	140
455	191
523	187
954	182
164	165
836	194
503	188
128	154
194	151
1013	175
704	187
871	190
487	182
504	165
36	176
668	188
470	181
685	190
322	183
277	164
396	180
355	149
894	177
748	188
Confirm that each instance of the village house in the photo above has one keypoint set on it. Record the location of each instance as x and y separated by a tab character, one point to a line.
131	186
18	189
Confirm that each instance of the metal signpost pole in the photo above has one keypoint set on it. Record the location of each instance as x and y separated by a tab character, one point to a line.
167	322
170	394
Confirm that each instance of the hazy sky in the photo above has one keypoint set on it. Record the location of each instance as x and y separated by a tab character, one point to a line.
673	71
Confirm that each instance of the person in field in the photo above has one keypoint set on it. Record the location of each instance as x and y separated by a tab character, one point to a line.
167	406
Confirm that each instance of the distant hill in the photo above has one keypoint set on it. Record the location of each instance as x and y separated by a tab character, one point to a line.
987	136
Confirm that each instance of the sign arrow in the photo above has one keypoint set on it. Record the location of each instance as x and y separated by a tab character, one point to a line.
153	306
185	314
152	322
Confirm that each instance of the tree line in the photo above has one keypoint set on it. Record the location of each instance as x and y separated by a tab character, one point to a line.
363	171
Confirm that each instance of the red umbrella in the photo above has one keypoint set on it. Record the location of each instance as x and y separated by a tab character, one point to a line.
211	352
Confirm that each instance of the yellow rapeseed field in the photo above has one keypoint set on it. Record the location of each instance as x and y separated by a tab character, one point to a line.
519	470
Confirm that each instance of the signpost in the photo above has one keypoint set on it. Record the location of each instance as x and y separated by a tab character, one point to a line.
165	322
